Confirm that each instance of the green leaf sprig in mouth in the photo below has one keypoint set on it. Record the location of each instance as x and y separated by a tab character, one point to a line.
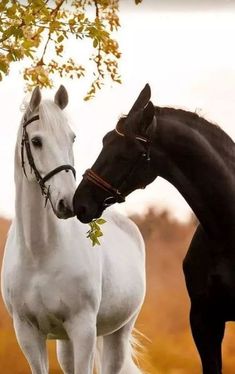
95	231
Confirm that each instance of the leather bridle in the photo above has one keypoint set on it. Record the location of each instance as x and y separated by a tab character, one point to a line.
117	196
100	182
25	144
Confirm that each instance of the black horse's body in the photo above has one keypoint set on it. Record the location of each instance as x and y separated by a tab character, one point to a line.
198	158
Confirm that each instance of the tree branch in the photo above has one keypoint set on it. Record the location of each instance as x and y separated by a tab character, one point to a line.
97	11
57	8
41	62
54	13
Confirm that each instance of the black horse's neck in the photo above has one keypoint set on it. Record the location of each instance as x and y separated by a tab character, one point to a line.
198	158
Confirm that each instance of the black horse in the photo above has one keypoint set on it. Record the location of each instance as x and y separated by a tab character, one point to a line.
198	158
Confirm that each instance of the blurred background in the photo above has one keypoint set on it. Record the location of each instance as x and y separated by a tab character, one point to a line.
185	50
168	347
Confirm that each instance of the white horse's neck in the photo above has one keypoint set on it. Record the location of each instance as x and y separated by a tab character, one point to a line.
36	224
38	228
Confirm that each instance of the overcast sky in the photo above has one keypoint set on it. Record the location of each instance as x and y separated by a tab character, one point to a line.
187	57
181	5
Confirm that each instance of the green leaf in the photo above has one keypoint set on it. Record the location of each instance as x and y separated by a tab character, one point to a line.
54	25
60	39
99	234
28	43
28	53
95	43
11	11
95	241
95	232
3	67
100	221
10	31
28	18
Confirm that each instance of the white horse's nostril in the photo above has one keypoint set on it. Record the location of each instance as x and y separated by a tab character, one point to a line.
64	209
62	206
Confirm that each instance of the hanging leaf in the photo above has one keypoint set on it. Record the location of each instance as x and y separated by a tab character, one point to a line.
95	231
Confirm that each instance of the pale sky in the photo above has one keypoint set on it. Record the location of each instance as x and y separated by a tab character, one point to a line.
182	5
188	58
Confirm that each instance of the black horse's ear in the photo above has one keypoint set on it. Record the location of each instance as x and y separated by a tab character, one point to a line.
139	122
142	100
148	116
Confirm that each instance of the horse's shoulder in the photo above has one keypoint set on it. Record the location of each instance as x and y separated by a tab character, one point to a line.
126	225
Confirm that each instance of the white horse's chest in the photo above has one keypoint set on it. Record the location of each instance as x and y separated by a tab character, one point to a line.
49	294
48	300
60	283
47	306
46	294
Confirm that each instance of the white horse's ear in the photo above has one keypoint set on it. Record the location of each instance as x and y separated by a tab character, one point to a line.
35	99
61	97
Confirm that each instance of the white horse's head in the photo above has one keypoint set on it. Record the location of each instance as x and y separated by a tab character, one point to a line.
44	150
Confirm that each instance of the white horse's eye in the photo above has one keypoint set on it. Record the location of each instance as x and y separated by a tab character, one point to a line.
37	142
74	138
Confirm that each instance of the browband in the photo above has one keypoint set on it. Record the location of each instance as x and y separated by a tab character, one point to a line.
139	137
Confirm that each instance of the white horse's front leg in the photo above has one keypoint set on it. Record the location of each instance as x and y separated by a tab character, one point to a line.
33	344
117	355
64	349
82	332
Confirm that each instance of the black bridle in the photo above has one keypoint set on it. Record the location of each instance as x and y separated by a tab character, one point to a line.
25	143
117	196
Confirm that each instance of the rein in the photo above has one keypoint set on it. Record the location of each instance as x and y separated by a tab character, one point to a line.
25	143
116	195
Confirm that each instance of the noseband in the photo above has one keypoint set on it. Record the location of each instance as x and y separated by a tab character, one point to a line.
100	182
25	143
117	196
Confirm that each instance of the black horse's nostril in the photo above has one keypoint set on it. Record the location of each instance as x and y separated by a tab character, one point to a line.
81	210
82	213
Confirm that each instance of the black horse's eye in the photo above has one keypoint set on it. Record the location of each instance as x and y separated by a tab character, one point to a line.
37	142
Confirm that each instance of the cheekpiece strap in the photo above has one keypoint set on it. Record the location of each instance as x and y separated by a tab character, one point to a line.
25	142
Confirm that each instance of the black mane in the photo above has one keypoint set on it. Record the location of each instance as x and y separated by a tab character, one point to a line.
221	141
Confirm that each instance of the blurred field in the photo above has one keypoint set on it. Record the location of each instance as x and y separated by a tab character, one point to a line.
164	317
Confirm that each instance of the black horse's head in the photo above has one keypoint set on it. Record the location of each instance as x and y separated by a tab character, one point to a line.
123	164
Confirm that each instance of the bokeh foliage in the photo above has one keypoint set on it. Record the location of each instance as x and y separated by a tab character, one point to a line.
37	30
168	347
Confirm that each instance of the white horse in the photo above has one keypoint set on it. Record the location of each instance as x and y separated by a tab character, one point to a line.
54	283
